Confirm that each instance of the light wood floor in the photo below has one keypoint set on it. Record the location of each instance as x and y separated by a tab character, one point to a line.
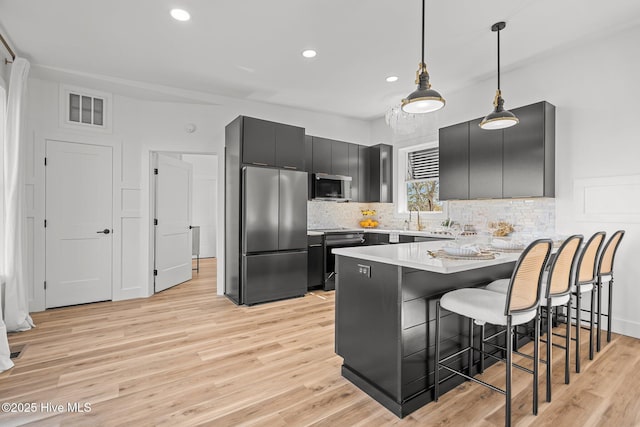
187	356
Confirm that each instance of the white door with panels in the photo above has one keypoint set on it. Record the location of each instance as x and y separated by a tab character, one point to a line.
173	183
79	223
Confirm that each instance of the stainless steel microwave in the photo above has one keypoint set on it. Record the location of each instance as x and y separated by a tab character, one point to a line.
331	187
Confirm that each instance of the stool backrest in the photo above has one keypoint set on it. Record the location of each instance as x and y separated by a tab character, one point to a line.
561	270
524	287
587	260
605	266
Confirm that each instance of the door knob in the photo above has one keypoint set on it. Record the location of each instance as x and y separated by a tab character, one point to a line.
105	231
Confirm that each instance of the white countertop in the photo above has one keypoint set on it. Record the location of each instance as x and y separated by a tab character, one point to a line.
414	255
384	231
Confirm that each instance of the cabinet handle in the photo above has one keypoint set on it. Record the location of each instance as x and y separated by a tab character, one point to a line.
290	167
315	246
259	164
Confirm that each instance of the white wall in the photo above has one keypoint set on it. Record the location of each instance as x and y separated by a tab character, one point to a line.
595	89
204	200
140	127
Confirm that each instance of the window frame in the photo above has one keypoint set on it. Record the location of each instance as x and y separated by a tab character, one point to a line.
401	179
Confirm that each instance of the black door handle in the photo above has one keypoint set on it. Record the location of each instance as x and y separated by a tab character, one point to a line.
105	231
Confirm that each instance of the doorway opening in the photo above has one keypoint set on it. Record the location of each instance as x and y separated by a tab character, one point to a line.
184	215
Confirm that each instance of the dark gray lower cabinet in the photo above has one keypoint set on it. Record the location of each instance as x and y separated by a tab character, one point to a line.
315	263
274	276
385	328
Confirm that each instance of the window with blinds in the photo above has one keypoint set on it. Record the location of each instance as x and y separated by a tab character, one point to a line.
423	164
421	182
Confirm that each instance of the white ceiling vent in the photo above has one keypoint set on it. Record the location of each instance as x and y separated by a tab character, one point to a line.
85	109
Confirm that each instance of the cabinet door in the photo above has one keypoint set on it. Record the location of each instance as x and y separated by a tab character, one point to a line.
308	147
315	269
363	173
485	162
258	142
339	158
290	147
321	155
454	162
524	153
354	160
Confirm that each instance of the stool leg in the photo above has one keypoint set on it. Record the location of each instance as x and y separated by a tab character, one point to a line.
599	331
436	374
481	348
549	349
591	321
509	345
470	355
567	344
578	323
536	360
609	305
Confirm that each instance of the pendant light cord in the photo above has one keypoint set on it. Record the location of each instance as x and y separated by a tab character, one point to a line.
498	59
423	1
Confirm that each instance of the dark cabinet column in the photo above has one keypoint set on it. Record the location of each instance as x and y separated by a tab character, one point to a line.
339	158
454	162
354	161
529	151
381	179
363	173
485	162
308	146
321	155
258	142
290	147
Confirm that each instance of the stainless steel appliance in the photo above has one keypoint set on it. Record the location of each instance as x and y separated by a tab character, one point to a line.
273	234
337	239
331	187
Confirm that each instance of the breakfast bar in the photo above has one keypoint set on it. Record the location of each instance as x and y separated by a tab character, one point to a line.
385	317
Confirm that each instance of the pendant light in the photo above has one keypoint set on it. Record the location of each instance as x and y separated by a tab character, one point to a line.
424	99
499	118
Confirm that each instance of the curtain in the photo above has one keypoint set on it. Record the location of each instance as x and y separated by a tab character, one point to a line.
5	354
16	305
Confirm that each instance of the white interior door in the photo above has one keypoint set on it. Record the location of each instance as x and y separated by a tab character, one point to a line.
173	214
79	223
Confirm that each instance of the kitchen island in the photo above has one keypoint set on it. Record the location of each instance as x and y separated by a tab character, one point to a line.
385	318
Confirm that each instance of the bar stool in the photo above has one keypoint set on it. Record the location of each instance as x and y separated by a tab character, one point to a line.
556	289
605	274
518	306
585	282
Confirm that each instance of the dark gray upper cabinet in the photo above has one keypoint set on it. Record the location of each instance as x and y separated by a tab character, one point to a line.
266	143
381	175
364	176
515	162
308	146
321	155
529	153
354	162
485	162
454	162
290	147
258	142
339	158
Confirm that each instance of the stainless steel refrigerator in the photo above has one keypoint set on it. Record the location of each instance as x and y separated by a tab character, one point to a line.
273	234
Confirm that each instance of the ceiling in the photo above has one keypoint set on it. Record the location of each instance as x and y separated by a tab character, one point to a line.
251	49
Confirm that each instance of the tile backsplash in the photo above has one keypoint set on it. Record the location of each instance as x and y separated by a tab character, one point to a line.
530	216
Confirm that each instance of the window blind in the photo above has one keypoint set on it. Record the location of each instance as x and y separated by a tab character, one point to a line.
423	164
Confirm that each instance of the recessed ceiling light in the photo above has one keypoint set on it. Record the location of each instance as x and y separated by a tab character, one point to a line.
392	79
180	15
309	53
